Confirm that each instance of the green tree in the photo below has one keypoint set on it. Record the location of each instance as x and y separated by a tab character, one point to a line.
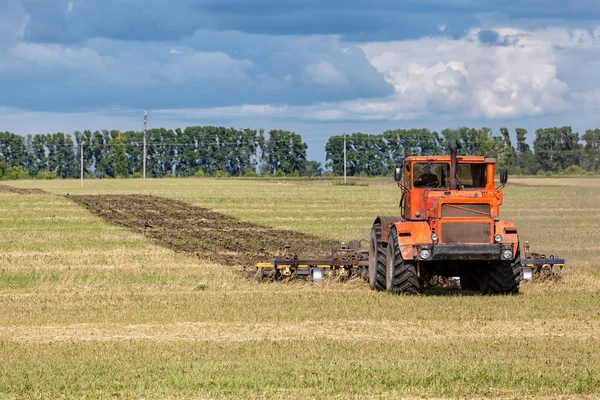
313	168
13	150
100	153
334	154
557	148
526	161
84	138
188	156
117	154
591	150
37	154
509	157
134	149
65	165
367	154
285	152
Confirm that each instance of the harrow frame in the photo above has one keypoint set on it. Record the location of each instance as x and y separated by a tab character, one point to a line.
345	262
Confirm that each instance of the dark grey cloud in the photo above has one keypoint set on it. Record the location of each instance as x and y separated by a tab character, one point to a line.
488	36
205	71
63	21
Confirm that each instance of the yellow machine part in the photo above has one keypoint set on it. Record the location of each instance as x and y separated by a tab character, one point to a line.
299	266
542	266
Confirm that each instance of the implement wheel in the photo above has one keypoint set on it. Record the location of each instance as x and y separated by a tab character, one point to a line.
377	254
502	277
401	275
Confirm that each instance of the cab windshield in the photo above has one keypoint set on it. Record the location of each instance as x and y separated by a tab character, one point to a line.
437	175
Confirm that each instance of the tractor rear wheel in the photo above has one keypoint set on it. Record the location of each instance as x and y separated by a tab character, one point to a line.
502	277
401	275
377	256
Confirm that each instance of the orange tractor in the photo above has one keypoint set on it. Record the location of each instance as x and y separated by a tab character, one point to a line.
448	227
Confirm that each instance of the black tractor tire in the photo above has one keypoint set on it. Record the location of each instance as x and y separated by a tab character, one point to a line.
470	281
502	277
401	275
377	261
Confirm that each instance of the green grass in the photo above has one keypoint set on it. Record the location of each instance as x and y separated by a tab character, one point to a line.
90	310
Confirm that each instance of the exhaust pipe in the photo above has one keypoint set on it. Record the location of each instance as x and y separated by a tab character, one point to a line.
453	161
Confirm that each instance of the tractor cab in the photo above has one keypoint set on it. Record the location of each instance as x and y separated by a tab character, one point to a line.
437	186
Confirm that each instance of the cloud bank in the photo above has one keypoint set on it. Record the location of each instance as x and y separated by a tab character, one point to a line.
300	60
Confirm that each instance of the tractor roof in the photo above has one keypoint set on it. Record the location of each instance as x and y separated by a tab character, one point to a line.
464	159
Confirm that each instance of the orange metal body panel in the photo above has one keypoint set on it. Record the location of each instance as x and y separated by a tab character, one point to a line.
422	213
508	230
386	222
411	233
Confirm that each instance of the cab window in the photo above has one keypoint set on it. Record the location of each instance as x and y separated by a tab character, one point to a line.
430	175
437	175
471	175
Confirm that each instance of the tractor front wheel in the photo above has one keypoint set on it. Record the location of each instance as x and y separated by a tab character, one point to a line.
401	275
502	277
377	259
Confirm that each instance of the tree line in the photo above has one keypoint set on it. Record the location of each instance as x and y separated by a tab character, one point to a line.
219	151
555	150
194	151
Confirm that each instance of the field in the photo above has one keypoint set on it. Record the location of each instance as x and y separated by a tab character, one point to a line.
156	305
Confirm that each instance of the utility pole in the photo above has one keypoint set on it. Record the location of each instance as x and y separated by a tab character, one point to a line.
81	160
144	151
344	158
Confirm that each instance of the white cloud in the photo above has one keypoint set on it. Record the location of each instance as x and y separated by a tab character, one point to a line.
518	78
69	8
523	75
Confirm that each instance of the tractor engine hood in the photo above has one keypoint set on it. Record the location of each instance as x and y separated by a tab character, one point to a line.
434	204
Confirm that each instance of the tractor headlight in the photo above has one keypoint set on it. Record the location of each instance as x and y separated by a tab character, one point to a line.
434	237
425	254
507	254
498	238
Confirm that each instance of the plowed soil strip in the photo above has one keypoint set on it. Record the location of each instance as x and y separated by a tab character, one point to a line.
333	330
199	231
12	189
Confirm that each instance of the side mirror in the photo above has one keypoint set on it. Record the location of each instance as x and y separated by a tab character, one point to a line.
503	176
398	173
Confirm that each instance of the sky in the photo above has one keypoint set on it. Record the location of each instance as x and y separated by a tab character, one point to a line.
319	68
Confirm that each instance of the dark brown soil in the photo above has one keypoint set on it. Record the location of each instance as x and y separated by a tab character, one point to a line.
199	231
12	189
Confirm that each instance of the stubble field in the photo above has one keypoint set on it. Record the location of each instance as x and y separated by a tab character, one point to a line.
150	305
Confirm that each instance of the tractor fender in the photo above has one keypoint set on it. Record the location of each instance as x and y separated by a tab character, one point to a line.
386	222
411	234
508	230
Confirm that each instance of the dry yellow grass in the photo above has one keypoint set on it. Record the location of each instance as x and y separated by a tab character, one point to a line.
352	330
92	310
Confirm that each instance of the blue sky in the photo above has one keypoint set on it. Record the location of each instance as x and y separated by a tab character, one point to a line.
316	67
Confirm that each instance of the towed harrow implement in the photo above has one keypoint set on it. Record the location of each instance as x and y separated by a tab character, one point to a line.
346	261
538	265
352	260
